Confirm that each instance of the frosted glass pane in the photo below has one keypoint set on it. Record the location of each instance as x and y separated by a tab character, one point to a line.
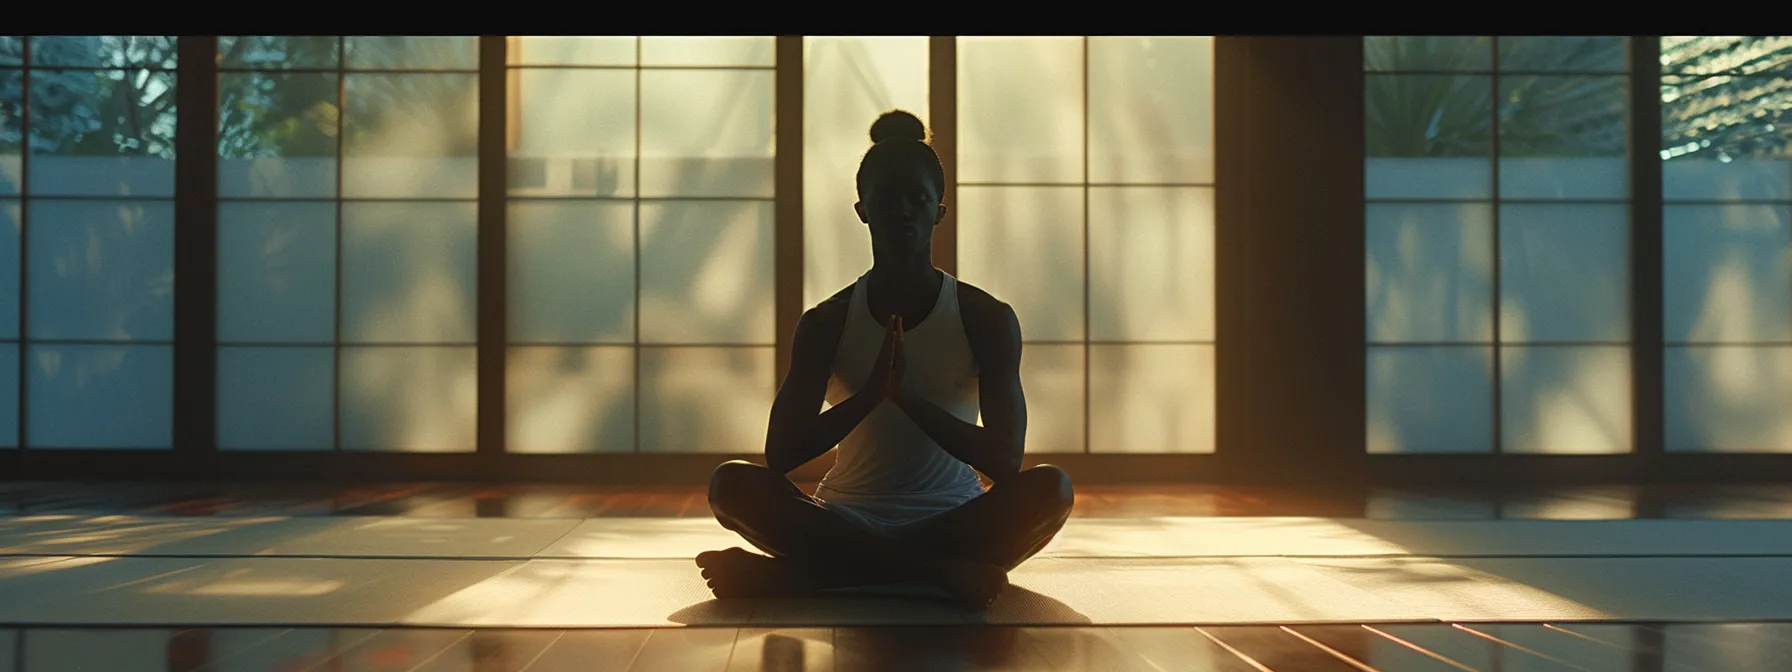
275	177
276	398
1020	109
12	96
380	52
1429	275
411	136
104	51
1565	178
102	133
1430	400
572	272
847	83
130	176
1577	53
277	272
1052	377
706	272
1564	273
1151	399
1690	179
1422	178
12	52
573	50
409	399
1448	53
574	134
101	270
570	400
1042	227
706	133
276	52
724	50
11	227
1151	263
1728	399
409	272
1565	400
277	135
705	400
9	395
130	387
1727	273
1151	109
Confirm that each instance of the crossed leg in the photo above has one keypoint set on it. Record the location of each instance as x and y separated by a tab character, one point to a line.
967	551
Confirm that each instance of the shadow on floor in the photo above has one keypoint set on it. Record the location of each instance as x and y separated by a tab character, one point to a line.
891	605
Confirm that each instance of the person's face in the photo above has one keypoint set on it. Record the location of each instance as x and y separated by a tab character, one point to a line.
901	208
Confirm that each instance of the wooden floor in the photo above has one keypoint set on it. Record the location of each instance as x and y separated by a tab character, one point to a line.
1511	648
1446	646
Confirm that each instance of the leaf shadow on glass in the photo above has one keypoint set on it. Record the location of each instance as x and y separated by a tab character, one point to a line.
1726	139
1429	275
100	270
407	268
1133	244
717	287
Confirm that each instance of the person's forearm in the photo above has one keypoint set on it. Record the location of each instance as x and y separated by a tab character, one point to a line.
824	432
984	448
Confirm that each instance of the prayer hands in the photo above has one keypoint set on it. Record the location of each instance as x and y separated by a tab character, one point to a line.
887	373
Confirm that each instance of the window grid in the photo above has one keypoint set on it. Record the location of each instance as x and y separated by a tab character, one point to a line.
23	342
1087	187
640	349
338	203
1495	200
336	284
1088	370
1677	72
23	199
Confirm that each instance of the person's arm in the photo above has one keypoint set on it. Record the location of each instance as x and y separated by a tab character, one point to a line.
995	448
797	433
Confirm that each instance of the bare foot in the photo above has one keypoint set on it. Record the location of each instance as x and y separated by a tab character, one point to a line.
973	585
737	572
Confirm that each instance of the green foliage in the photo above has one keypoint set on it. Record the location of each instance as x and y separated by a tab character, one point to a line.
1727	97
125	112
1449	111
264	109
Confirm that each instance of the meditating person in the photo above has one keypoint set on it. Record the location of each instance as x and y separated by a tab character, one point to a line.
907	355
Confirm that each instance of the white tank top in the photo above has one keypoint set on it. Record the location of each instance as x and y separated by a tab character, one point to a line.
888	472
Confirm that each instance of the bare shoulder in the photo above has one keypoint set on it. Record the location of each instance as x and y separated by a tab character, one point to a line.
985	313
824	320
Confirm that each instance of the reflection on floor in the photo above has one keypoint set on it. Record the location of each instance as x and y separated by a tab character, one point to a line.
1385	648
464	577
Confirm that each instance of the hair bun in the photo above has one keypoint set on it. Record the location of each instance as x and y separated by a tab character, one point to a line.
897	125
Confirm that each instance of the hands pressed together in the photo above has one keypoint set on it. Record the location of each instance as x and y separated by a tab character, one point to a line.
886	381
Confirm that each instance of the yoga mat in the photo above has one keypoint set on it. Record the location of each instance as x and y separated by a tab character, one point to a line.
678	538
1057	591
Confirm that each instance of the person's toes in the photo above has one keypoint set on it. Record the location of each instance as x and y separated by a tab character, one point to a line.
709	559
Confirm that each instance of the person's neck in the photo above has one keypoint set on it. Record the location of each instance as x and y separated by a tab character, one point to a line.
915	271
